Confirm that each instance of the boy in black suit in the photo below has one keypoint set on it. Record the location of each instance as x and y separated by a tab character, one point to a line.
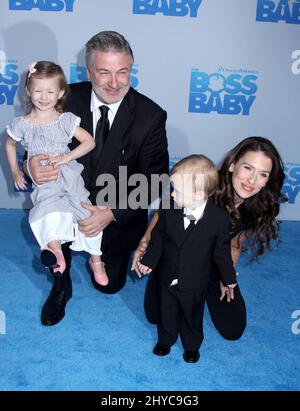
188	237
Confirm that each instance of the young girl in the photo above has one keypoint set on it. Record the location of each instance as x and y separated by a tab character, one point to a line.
56	205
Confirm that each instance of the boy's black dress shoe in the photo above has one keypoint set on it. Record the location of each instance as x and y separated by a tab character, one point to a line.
161	349
191	356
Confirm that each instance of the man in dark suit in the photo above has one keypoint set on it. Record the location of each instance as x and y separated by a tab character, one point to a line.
186	240
136	142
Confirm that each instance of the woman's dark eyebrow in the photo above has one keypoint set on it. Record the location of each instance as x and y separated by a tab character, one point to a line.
261	171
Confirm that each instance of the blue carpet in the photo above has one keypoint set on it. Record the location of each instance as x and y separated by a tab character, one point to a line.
105	343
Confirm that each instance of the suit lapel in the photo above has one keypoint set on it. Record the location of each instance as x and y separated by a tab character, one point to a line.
87	120
206	214
178	225
86	123
85	108
199	230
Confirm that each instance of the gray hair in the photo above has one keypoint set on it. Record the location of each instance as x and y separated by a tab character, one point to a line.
107	41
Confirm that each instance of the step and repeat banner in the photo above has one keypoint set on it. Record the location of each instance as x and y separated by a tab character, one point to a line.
222	69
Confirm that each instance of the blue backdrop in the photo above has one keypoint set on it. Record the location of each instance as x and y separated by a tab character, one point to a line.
223	69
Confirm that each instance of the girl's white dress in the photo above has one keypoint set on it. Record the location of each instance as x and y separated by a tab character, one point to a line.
56	204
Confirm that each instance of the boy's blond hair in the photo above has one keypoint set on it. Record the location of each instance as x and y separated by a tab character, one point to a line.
203	171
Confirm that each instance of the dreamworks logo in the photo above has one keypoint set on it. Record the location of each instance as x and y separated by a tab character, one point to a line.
296	64
296	324
79	73
2	322
42	5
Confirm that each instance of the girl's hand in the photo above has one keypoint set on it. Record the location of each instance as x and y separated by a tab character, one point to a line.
19	180
57	161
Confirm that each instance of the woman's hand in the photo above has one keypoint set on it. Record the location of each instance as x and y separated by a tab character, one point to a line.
228	291
138	254
143	245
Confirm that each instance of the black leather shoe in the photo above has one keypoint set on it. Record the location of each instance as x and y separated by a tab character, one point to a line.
191	356
53	310
48	258
161	349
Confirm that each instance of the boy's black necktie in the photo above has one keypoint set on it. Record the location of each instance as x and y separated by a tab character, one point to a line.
192	224
102	130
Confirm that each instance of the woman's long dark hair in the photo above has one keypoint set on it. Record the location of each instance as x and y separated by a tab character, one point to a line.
257	213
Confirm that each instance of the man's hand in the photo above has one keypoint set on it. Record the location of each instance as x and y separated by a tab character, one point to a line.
228	291
41	173
98	220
